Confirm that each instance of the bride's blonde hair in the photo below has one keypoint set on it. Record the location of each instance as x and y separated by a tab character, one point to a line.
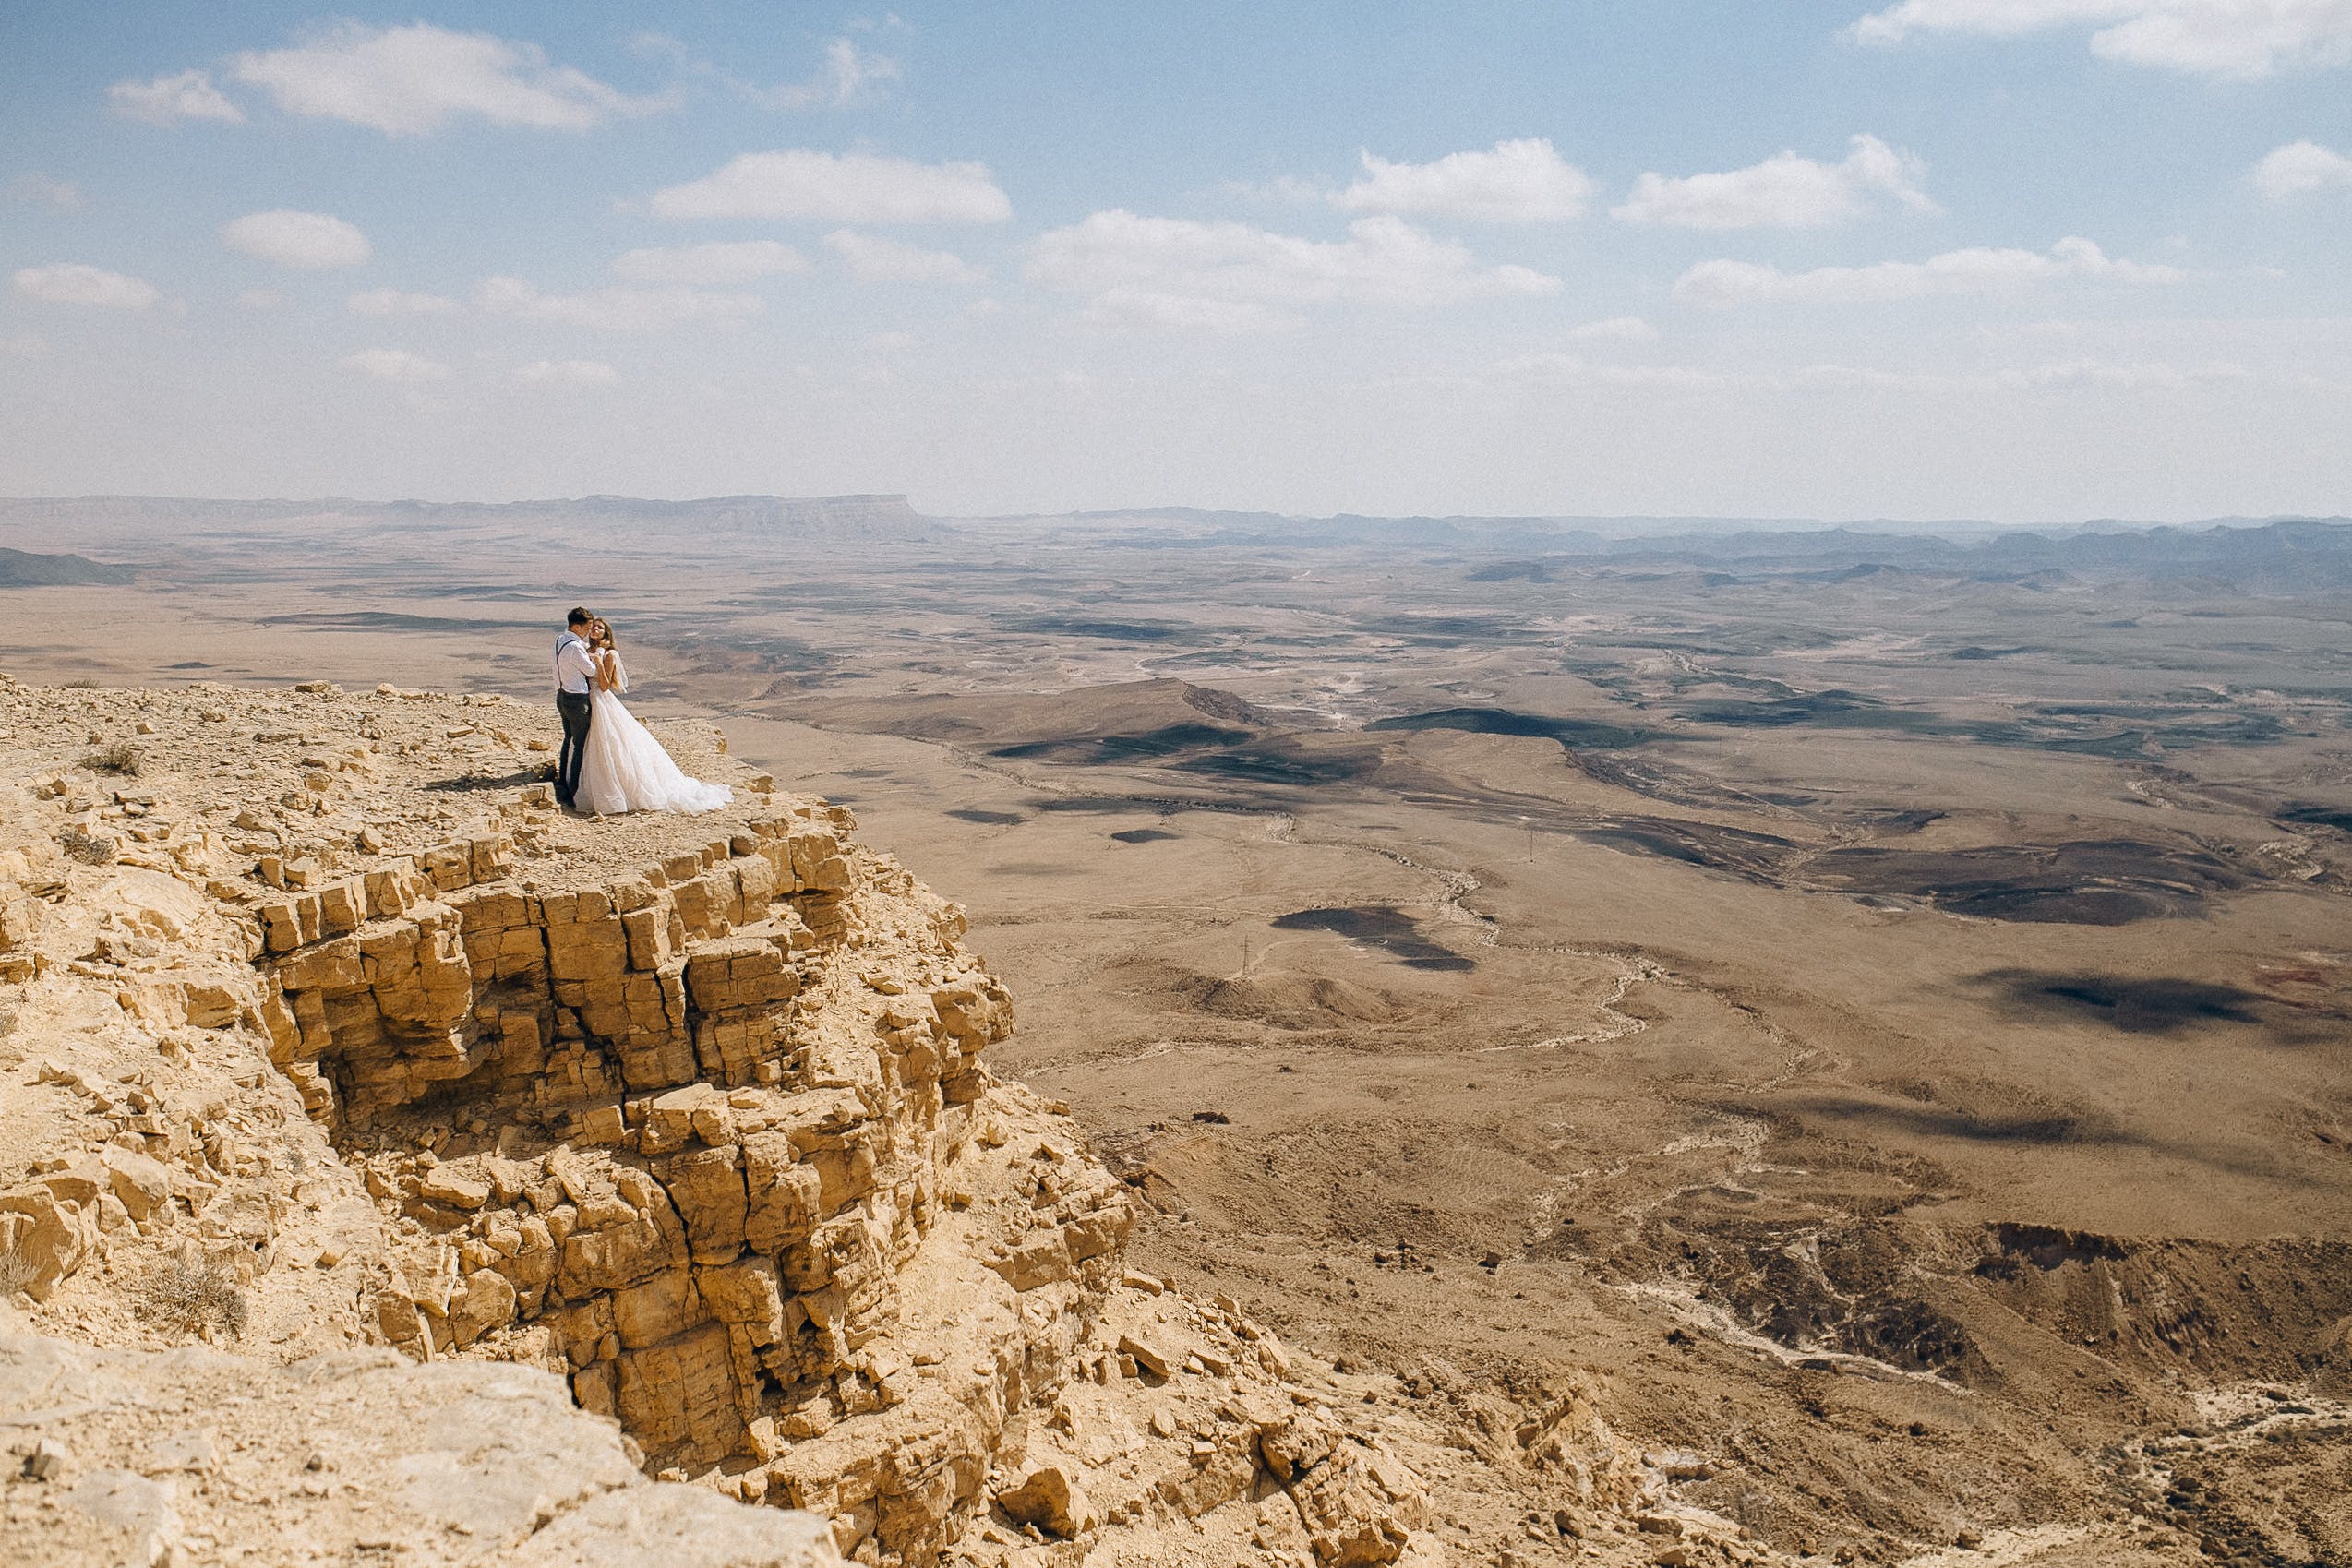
604	638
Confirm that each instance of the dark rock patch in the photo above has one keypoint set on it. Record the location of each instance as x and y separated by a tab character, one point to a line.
1390	929
1570	733
2096	882
2136	1005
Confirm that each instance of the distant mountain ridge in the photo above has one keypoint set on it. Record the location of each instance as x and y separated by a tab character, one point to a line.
22	568
863	517
2321	543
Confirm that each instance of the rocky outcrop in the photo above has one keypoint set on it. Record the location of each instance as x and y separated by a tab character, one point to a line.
691	1112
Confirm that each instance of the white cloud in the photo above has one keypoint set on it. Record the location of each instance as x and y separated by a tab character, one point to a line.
260	299
1616	329
1784	191
2241	40
872	260
72	282
307	241
567	373
854	187
396	365
1978	271
394	302
2300	168
167	101
32	345
717	265
847	76
414	79
1230	277
613	310
1515	182
46	192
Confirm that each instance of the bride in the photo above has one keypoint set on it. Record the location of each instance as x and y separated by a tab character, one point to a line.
625	768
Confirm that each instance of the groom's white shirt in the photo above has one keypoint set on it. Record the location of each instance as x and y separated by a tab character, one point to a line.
574	671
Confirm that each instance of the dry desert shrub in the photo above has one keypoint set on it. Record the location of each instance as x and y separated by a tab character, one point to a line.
120	757
16	1273
80	683
188	1293
91	849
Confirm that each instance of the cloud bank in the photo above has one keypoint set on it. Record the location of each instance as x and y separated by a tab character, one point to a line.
1513	182
721	264
1979	270
2301	168
873	260
303	241
613	310
2237	39
171	101
852	188
1232	277
74	283
1785	191
416	79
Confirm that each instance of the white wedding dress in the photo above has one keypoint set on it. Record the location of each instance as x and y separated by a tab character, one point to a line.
625	768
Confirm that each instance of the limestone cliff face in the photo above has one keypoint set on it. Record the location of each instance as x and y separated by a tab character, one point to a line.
693	1112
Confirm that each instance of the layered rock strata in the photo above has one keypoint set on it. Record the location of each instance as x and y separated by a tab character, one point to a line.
689	1111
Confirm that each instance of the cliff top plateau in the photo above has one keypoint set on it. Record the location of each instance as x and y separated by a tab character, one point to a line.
395	1169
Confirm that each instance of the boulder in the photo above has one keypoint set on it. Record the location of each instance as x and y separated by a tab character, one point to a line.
1051	1498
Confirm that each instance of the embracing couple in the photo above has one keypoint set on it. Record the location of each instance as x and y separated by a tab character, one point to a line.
610	763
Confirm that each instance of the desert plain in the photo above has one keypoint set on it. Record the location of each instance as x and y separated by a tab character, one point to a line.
1873	1008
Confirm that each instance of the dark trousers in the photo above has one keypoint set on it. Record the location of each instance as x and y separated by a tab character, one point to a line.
572	708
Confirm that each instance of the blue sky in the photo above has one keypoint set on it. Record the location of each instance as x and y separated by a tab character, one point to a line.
2022	259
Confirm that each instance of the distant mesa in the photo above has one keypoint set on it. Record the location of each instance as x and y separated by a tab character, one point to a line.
22	568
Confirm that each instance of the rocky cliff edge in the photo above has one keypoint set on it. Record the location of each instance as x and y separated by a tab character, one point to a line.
656	1147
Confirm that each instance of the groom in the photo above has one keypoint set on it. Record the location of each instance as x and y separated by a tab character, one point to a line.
575	677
